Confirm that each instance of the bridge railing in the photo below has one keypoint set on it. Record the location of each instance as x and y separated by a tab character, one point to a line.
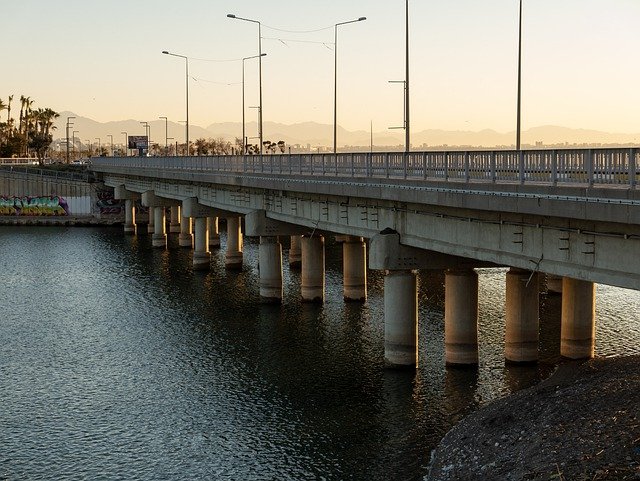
562	166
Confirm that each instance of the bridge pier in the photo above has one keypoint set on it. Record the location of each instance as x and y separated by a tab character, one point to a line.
270	261
159	237
151	221
129	217
121	193
201	254
354	268
174	226
554	284
461	317
522	316
295	252
214	233
312	268
578	319
400	319
233	256
185	239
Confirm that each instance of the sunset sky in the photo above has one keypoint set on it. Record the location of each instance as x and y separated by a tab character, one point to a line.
103	60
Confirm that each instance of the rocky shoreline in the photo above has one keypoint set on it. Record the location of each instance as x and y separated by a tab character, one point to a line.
582	423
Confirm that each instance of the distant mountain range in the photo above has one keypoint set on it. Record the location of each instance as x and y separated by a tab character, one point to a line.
315	135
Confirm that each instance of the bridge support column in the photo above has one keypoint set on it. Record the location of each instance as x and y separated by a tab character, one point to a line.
522	316
400	319
214	234
201	254
233	257
129	217
295	252
354	267
270	259
159	238
554	284
461	317
185	239
578	319
151	224
174	226
312	268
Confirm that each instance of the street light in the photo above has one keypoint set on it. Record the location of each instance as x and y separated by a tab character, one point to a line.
73	143
407	135
259	129
99	149
69	124
111	141
186	63
126	144
519	76
166	133
230	15
335	81
88	148
244	146
147	131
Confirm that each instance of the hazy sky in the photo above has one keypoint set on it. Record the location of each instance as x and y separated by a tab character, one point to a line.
102	59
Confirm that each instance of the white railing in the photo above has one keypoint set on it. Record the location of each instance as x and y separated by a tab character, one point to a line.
18	161
570	166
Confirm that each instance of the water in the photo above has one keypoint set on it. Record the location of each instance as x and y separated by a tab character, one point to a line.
117	361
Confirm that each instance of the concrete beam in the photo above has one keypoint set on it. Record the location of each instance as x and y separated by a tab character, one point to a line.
257	223
191	207
120	192
150	199
387	253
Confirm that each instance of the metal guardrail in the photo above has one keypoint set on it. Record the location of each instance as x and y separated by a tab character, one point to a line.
50	174
602	167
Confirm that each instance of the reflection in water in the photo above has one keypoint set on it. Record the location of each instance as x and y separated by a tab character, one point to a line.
118	358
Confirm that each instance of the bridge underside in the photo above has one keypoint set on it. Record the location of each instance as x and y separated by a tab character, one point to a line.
517	232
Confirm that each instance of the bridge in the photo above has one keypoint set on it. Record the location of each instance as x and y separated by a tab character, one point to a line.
572	214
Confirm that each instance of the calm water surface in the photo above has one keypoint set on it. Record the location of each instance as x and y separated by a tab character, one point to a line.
117	361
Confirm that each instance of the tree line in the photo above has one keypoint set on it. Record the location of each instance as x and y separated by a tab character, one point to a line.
31	135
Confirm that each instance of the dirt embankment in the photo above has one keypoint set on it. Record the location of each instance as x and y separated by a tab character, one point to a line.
583	423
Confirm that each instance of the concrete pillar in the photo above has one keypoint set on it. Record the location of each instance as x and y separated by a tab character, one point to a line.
400	318
151	224
354	268
233	257
270	259
461	317
312	268
174	227
201	254
159	238
185	239
129	217
522	316
554	284
578	319
295	252
214	234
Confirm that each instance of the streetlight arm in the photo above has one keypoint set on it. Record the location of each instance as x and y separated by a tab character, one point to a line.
230	15
351	21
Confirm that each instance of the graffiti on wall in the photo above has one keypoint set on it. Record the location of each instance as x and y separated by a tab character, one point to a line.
106	204
33	206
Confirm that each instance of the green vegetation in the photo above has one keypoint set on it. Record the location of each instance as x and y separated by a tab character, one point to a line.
32	134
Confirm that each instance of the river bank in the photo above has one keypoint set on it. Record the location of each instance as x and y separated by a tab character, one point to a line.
582	423
80	221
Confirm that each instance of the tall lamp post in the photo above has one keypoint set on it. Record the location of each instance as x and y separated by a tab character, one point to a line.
407	134
147	131
186	64
126	144
519	76
166	135
244	142
89	148
69	124
111	143
230	15
73	142
99	149
335	80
